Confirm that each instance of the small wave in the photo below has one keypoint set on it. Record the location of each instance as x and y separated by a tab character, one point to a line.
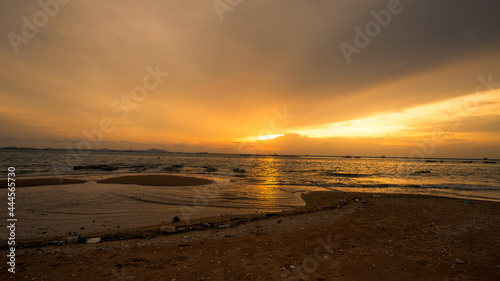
347	175
461	186
402	186
234	197
302	171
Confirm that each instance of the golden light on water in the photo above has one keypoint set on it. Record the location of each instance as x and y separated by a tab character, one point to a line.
268	170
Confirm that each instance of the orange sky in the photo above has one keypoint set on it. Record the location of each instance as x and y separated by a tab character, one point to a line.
260	76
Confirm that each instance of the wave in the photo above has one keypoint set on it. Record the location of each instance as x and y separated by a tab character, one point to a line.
347	175
454	186
223	202
302	171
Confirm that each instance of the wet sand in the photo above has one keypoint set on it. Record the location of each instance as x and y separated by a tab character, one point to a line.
20	182
90	204
369	237
151	180
157	180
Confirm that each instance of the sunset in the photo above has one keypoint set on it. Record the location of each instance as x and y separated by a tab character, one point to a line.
273	104
225	78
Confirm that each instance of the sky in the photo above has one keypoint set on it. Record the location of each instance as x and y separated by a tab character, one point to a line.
348	77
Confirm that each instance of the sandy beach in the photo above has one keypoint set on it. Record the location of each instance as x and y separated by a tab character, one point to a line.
41	182
365	237
250	140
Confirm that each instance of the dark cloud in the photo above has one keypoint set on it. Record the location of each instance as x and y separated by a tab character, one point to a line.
227	76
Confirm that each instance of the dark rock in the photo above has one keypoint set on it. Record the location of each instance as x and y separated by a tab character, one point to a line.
174	168
108	168
422	172
176	219
271	215
210	169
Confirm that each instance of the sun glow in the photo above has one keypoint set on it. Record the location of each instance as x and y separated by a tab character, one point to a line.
261	138
412	121
269	137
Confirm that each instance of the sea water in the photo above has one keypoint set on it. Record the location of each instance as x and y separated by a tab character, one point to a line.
243	184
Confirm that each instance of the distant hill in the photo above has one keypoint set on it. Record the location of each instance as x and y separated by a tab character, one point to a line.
102	149
157	150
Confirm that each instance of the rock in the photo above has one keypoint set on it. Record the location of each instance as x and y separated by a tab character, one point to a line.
210	169
175	168
271	215
176	219
108	168
224	226
238	170
93	240
72	240
96	167
458	261
167	228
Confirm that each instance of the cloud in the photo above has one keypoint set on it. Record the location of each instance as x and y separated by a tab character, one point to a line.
226	77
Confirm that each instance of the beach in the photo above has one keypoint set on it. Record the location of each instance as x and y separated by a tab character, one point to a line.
334	236
250	140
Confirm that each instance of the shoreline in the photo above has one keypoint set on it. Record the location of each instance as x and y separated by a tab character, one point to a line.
315	201
138	179
390	237
80	221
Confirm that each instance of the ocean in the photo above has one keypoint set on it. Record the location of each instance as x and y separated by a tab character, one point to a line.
243	184
271	171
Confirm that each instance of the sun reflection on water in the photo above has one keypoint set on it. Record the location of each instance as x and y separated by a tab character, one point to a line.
268	170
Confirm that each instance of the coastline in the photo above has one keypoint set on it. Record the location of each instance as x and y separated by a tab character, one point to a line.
394	237
110	230
148	180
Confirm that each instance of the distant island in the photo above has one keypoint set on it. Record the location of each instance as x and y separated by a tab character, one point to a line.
102	149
